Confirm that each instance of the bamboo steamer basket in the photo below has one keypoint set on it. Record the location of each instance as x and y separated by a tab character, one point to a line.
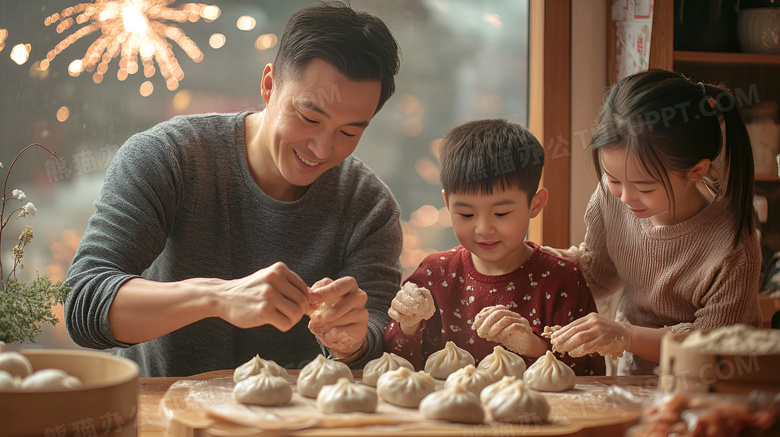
106	403
684	369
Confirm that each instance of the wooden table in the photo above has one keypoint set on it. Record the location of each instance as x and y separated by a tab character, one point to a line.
598	419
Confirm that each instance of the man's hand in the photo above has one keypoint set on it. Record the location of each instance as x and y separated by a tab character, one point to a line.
501	325
590	334
411	305
339	317
273	296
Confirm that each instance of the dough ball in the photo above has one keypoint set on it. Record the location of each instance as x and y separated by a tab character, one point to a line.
50	379
491	390
425	307
518	403
254	366
404	387
441	363
347	397
550	330
263	389
321	372
471	379
9	382
453	404
549	374
16	364
387	362
502	362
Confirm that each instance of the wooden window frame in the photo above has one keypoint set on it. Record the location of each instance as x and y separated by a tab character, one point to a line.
549	115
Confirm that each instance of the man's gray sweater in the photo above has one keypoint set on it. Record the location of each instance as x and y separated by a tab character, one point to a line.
178	202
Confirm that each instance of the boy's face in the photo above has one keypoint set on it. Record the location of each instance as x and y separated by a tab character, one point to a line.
493	227
311	123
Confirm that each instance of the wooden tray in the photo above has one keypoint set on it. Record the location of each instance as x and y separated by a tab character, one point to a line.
591	408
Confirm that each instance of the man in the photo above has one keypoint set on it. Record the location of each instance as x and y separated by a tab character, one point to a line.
214	235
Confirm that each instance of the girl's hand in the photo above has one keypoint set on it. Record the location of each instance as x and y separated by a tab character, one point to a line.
499	324
411	305
339	317
590	334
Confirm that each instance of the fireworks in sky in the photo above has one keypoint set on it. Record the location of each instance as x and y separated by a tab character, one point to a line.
131	29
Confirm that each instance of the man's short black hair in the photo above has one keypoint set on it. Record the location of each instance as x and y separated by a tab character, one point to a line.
357	44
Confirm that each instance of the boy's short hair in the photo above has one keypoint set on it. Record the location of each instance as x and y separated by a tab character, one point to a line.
483	155
357	44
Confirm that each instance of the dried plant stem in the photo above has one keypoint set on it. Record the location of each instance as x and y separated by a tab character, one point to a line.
3	218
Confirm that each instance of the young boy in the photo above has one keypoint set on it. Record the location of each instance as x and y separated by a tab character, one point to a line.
496	288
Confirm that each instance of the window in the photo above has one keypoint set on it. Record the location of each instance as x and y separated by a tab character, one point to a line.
461	60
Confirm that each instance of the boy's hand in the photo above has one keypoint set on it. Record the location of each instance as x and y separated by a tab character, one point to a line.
499	324
338	316
590	334
411	305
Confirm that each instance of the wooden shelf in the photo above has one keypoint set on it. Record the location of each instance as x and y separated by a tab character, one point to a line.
767	178
726	58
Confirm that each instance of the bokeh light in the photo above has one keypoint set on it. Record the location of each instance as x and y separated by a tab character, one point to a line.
246	23
63	113
265	41
217	40
493	19
20	53
182	100
147	88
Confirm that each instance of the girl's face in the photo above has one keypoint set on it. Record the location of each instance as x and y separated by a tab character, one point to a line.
645	196
493	227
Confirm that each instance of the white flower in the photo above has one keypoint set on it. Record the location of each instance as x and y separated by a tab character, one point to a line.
19	194
30	209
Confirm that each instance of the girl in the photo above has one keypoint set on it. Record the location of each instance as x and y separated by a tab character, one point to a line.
671	221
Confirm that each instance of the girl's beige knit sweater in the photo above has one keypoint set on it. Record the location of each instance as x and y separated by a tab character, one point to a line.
685	276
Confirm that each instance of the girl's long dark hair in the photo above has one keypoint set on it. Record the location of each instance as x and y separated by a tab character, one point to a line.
670	123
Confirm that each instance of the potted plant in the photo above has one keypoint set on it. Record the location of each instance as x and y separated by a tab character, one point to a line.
24	307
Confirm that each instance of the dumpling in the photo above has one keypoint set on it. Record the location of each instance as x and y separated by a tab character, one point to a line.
264	389
502	362
441	363
518	403
471	378
550	374
453	404
15	364
387	362
50	379
347	397
321	372
491	390
254	366
9	382
404	387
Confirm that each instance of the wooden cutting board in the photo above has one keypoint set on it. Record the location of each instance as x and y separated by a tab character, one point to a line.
201	406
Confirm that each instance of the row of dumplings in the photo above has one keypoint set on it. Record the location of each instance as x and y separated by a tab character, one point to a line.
546	374
16	372
501	383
